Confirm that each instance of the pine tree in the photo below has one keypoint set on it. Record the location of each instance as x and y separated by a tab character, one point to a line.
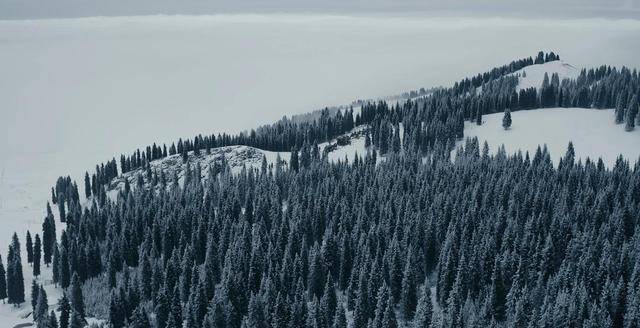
15	280
36	256
29	248
48	238
340	319
35	290
255	317
52	320
506	120
42	306
87	185
163	308
65	310
620	105
389	319
116	311
140	318
479	115
294	162
176	310
3	282
329	301
76	320
631	113
55	266
63	268
77	300
408	297
424	309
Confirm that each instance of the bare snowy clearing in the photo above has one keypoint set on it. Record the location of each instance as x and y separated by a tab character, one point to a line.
532	76
592	131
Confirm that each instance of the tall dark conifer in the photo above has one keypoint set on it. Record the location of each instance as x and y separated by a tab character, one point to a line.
36	256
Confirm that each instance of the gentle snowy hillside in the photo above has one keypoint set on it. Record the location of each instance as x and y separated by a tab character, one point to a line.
534	74
592	132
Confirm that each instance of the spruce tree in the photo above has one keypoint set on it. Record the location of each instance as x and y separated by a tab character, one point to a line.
65	310
631	113
408	297
620	106
329	301
3	282
117	316
15	279
35	290
294	162
479	115
55	266
29	248
48	238
77	300
42	306
340	319
76	320
424	309
163	308
140	319
256	317
506	120
52	321
36	256
87	185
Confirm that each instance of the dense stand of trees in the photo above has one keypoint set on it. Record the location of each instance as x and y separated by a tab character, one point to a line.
500	240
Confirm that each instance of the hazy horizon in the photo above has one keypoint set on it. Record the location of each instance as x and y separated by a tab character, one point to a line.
36	9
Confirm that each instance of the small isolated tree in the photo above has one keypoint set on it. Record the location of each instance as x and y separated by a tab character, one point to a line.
506	120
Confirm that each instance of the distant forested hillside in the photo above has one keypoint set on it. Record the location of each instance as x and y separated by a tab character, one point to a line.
402	236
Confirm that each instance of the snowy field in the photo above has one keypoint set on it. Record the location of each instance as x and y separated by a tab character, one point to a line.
75	92
592	131
532	76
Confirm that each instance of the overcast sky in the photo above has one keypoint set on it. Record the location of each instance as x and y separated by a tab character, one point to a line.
20	9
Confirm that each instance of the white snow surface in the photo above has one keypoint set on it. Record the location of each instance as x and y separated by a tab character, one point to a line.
535	73
592	131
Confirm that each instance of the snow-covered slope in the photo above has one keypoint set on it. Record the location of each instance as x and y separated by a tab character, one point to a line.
356	146
592	131
532	76
237	157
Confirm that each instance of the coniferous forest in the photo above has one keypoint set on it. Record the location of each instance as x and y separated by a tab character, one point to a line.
404	235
